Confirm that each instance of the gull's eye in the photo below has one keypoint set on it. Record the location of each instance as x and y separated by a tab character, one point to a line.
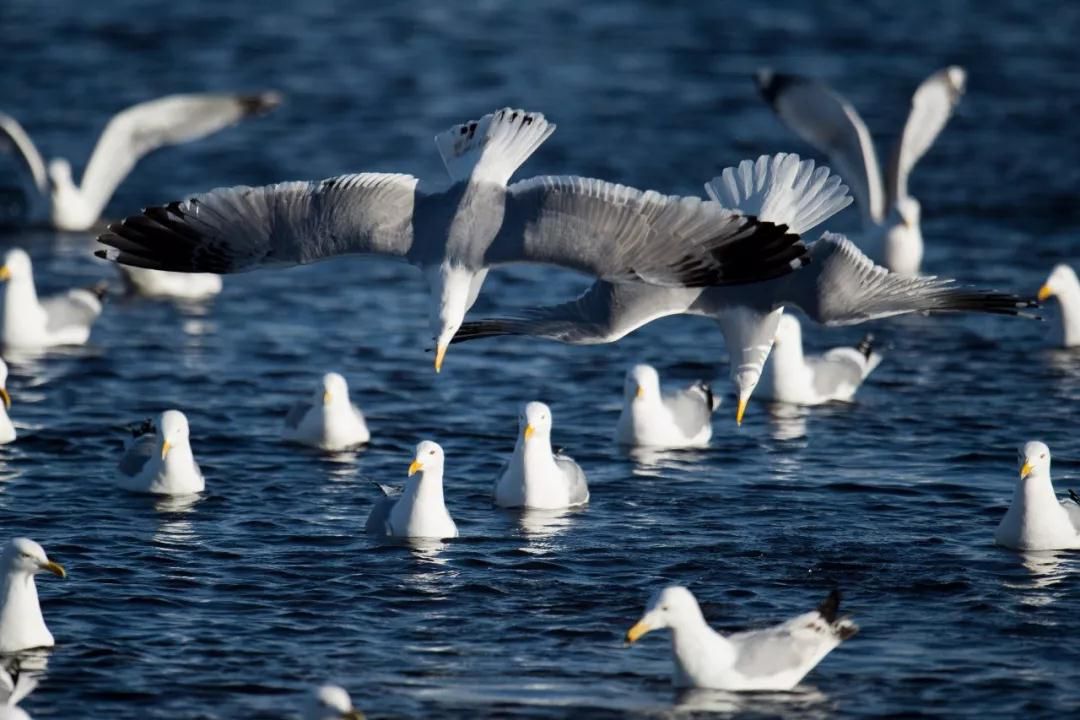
430	452
1043	456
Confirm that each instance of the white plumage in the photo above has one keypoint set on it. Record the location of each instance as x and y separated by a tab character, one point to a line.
1036	519
29	324
656	419
535	477
328	420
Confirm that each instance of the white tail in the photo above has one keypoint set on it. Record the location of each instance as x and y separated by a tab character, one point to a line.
781	189
494	146
16	690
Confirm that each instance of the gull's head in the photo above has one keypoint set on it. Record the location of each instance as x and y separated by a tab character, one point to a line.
788	331
24	556
3	385
428	458
16	266
173	429
1033	459
666	609
642	381
331	702
1061	278
334	390
535	421
452	287
749	334
59	172
910	212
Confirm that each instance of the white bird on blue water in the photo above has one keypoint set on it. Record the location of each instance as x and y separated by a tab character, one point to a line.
22	626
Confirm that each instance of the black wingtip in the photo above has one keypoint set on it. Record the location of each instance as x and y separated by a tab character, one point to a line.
866	346
771	83
1073	496
100	289
261	103
830	606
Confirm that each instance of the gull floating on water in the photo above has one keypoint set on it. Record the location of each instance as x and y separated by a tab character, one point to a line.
1064	285
536	477
328	420
161	285
158	458
331	702
840	285
653	418
12	692
798	379
129	136
1036	520
456	235
419	510
772	658
29	324
7	429
22	626
827	121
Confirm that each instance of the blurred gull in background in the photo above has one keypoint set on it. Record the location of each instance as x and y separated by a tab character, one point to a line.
1063	285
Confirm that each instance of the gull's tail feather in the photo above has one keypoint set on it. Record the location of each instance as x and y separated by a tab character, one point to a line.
830	611
494	146
781	189
866	346
261	103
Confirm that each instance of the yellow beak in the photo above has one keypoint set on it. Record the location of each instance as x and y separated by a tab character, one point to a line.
353	714
7	398
635	633
1025	470
165	448
640	392
416	465
1045	292
56	569
5	273
440	353
741	411
529	430
326	397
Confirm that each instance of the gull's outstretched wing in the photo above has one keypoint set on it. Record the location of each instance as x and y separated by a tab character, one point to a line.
931	107
242	228
15	141
821	117
621	234
170	120
841	286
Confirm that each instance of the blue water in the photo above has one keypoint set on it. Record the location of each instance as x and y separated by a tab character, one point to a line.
235	605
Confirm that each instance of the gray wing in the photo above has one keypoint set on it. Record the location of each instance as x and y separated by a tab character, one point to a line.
821	117
691	407
621	234
1072	509
575	477
380	511
841	286
15	141
237	229
75	308
297	413
137	455
170	120
837	369
604	313
774	650
931	107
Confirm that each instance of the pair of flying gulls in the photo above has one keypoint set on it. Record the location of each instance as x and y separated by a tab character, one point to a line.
738	257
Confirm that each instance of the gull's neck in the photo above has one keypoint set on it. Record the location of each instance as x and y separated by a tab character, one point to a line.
19	606
748	336
21	306
1069	300
537	449
69	208
1035	495
696	646
427	488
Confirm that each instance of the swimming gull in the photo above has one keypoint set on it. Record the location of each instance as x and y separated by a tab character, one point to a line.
22	626
1064	285
457	234
7	429
1036	520
161	285
129	136
821	117
328	420
839	286
537	477
29	324
418	511
656	419
158	458
331	702
792	377
12	692
772	658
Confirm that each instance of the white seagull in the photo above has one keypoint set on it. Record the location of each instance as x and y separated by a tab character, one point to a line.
653	418
419	511
1036	520
328	420
12	692
27	323
331	702
457	234
821	117
793	377
772	658
161	285
7	429
1064	285
129	136
536	477
158	458
22	626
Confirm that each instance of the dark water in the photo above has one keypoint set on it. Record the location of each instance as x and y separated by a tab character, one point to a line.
233	606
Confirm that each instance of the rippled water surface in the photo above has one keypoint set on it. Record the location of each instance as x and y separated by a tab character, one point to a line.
233	605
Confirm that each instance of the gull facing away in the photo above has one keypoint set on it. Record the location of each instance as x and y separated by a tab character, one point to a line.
7	429
129	136
331	702
457	234
1064	285
821	117
537	478
328	420
158	459
29	324
839	286
160	285
653	418
22	626
772	658
419	510
1036	520
798	379
12	692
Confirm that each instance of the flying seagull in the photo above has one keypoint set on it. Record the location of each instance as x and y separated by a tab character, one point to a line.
839	286
821	117
129	136
457	234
